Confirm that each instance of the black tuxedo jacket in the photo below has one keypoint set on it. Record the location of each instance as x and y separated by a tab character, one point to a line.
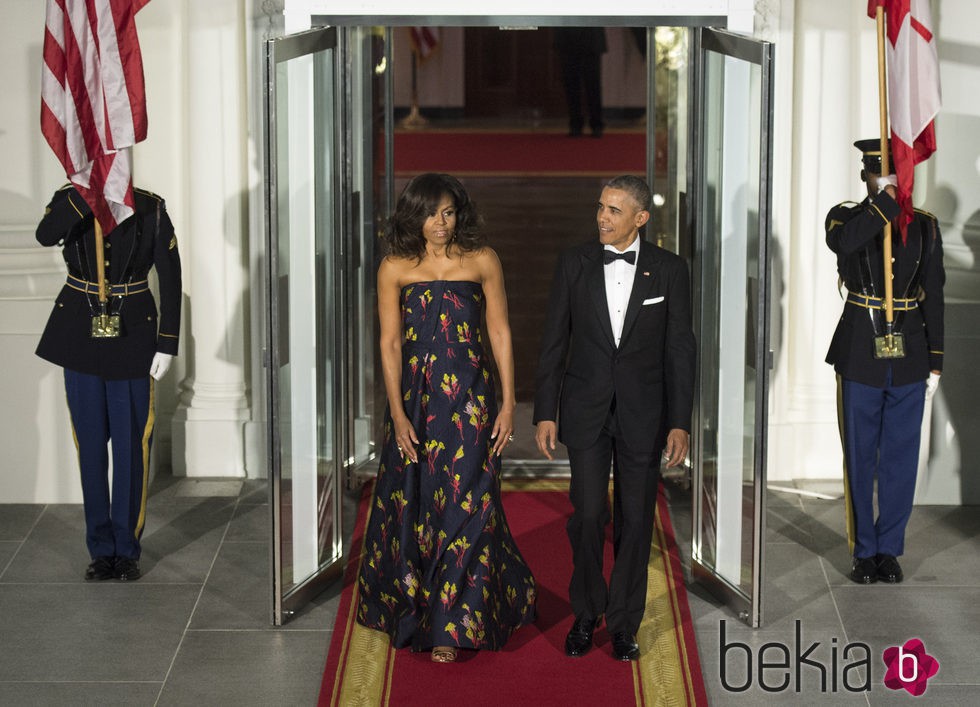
650	374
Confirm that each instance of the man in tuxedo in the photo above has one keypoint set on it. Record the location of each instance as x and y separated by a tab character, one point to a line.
617	371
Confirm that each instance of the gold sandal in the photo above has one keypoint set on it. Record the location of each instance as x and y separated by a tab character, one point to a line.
444	654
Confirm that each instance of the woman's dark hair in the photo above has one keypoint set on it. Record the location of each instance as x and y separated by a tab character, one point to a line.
418	201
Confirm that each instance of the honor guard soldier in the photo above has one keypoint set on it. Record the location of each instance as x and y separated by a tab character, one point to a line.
885	371
105	332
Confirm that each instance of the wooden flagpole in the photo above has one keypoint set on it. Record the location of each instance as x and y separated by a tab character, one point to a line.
104	324
414	119
889	346
100	261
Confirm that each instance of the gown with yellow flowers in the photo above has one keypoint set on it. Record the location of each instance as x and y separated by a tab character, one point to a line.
440	565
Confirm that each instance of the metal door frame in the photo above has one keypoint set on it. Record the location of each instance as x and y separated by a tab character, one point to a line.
279	50
748	608
718	40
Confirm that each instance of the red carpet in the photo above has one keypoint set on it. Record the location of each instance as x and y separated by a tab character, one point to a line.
532	669
519	153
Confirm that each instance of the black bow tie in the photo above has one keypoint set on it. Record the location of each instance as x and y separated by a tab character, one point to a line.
609	256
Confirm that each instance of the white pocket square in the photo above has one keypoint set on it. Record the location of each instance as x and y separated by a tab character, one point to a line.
653	300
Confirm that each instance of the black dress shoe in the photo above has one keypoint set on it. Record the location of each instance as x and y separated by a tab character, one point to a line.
864	570
100	568
888	569
625	646
579	638
127	569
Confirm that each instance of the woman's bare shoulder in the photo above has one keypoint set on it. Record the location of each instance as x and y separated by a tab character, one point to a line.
486	262
395	267
481	257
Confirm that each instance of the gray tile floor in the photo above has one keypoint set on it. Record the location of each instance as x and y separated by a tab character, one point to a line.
195	629
806	565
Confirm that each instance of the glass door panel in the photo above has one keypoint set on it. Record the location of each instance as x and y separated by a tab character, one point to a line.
731	273
667	137
367	84
302	248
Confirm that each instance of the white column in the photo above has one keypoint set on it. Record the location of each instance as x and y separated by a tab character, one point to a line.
208	426
824	109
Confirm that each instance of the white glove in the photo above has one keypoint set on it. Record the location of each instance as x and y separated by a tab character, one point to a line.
932	382
884	181
160	365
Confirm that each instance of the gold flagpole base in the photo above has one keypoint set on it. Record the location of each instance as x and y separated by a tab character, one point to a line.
106	326
414	119
890	346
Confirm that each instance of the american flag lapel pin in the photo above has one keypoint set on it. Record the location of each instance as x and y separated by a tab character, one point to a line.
646	274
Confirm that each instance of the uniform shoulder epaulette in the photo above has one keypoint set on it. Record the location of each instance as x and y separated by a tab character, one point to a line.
848	205
830	223
925	213
63	187
148	193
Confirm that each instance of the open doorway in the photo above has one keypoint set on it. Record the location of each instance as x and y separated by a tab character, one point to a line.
330	89
494	112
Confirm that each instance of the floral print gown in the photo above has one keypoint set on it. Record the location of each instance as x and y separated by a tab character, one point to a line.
440	566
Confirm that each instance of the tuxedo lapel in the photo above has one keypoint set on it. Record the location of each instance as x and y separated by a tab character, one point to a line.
647	270
596	282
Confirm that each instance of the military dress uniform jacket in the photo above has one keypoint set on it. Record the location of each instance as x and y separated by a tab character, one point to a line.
854	234
143	241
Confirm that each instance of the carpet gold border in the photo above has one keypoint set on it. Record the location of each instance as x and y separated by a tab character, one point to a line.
361	682
367	679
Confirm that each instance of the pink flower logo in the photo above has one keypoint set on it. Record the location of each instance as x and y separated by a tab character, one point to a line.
909	667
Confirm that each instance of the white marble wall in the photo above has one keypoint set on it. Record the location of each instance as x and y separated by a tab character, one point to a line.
826	97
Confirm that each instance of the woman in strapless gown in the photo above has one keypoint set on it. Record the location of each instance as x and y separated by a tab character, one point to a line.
441	569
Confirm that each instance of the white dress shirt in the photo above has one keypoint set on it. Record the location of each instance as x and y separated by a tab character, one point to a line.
619	283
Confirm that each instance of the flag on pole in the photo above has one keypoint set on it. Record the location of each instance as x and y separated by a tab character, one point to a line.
914	95
93	102
424	41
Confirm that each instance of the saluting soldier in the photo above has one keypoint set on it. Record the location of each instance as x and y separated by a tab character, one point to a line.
112	349
882	395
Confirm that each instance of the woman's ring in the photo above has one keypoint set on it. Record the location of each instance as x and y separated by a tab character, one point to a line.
511	438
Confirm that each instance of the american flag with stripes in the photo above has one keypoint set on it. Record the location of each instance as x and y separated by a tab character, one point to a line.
93	102
425	40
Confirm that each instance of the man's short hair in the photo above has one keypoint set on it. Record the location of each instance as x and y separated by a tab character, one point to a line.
635	187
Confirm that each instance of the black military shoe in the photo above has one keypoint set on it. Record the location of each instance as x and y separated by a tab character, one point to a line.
579	638
100	568
127	569
625	646
888	569
864	570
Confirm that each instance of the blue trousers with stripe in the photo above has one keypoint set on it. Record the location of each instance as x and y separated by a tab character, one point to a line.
881	430
120	411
